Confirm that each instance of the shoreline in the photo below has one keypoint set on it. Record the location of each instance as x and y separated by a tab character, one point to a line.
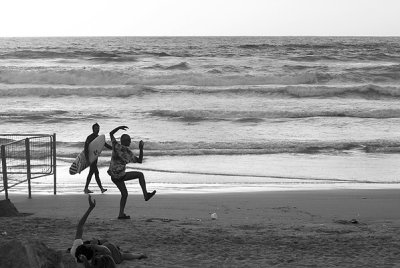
173	183
76	188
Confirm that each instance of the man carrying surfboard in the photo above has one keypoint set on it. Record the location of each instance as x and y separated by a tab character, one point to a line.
93	166
122	155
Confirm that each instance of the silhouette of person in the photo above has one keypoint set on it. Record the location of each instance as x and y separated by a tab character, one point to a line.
122	155
97	253
93	166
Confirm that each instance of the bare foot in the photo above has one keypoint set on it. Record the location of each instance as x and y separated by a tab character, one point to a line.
87	191
124	217
150	195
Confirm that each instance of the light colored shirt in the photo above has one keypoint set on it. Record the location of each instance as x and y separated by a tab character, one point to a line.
121	155
75	244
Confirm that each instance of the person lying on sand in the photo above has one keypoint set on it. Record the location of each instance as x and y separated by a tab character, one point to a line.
122	155
97	253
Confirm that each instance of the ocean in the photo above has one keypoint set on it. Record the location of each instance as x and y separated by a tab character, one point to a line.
216	114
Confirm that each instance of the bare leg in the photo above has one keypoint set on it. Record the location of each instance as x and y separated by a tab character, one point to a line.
133	256
139	175
89	178
97	176
124	196
124	192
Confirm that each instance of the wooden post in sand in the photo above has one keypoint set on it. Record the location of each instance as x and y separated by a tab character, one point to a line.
53	147
28	166
4	168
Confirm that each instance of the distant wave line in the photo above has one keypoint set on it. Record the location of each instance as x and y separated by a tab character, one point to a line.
218	86
261	176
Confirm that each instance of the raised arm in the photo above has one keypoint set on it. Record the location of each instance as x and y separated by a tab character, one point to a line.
107	146
79	228
140	158
115	130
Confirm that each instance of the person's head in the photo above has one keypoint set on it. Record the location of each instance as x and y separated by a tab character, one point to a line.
125	140
96	128
103	261
93	241
84	249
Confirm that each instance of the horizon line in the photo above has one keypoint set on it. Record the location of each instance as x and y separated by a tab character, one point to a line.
164	36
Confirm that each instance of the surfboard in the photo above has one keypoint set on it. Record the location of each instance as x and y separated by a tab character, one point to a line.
95	148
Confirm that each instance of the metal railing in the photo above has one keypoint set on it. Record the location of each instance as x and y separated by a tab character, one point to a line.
33	155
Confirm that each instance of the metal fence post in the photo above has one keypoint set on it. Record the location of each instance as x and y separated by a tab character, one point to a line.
54	163
28	166
4	167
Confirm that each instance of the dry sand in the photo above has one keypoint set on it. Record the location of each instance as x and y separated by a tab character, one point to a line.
319	228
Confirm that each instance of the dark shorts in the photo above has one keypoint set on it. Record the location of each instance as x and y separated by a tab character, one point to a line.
115	252
117	180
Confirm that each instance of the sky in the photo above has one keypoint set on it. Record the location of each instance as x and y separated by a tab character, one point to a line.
199	18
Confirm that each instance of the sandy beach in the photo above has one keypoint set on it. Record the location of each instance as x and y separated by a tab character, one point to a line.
319	228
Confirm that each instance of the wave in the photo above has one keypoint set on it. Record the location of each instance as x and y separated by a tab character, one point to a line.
362	91
83	91
246	117
83	76
314	44
327	49
70	150
96	76
185	74
76	54
50	53
368	91
47	116
126	48
158	54
179	66
114	59
123	55
375	73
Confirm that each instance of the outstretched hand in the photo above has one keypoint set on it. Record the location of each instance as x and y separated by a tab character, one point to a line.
141	144
92	203
123	127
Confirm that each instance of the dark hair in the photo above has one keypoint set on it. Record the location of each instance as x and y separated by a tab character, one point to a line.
83	250
90	242
125	137
95	124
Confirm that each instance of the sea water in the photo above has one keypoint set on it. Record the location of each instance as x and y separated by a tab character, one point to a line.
215	113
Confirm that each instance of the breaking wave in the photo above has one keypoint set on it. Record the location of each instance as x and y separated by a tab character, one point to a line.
48	116
363	91
69	150
260	116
